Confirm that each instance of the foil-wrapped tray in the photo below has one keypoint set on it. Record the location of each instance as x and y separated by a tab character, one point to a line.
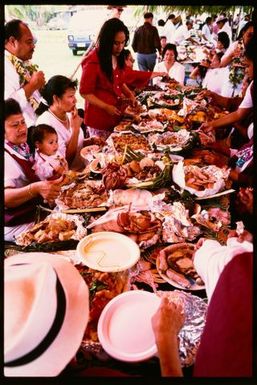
195	314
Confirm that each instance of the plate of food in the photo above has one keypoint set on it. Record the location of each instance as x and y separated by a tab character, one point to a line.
174	141
55	229
86	194
103	286
134	141
202	182
108	251
175	265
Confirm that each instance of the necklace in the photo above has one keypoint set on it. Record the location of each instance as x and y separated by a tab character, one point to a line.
63	121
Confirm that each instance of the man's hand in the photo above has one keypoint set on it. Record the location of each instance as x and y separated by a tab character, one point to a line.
37	80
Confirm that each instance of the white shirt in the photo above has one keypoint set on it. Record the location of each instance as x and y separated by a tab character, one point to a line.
247	102
14	177
226	28
176	72
181	34
211	258
64	135
229	50
12	89
207	33
169	31
214	79
45	164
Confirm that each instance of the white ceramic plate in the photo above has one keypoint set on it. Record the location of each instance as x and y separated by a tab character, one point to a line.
108	251
125	329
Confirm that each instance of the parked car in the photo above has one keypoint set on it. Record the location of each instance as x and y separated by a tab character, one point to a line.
83	29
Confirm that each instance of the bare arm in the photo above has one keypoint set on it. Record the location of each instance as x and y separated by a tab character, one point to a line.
95	101
36	82
49	190
166	323
72	145
226	120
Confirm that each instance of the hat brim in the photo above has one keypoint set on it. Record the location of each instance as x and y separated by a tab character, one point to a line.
69	338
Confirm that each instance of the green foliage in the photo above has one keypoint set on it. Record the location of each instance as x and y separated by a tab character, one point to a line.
193	10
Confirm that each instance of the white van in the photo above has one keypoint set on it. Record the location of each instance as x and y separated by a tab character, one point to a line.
84	27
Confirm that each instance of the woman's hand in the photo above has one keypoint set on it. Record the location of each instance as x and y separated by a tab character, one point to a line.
207	126
48	189
112	110
76	120
167	321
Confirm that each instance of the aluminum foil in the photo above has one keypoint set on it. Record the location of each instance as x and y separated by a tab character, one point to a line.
195	314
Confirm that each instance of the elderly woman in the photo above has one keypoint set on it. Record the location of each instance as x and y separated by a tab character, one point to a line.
170	65
62	114
22	189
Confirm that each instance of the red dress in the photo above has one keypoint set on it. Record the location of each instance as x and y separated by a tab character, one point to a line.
94	81
136	79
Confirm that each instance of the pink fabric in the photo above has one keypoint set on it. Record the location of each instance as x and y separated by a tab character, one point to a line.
226	344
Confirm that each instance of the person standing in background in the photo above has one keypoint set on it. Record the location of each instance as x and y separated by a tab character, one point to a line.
160	27
169	29
207	30
22	80
103	82
223	25
145	42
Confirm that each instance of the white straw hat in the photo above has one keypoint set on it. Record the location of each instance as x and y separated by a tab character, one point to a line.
46	310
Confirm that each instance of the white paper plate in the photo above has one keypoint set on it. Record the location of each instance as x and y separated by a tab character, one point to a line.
125	329
108	251
216	195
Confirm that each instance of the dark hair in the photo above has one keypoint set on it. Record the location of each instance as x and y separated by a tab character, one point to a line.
189	22
244	29
126	53
12	28
57	85
171	16
39	133
161	23
11	107
224	39
171	47
148	15
208	19
105	45
250	50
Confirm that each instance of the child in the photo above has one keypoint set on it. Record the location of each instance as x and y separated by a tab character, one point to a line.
49	163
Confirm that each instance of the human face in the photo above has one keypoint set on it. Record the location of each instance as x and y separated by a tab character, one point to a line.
163	42
247	35
67	102
118	43
24	47
49	144
15	129
219	45
169	56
